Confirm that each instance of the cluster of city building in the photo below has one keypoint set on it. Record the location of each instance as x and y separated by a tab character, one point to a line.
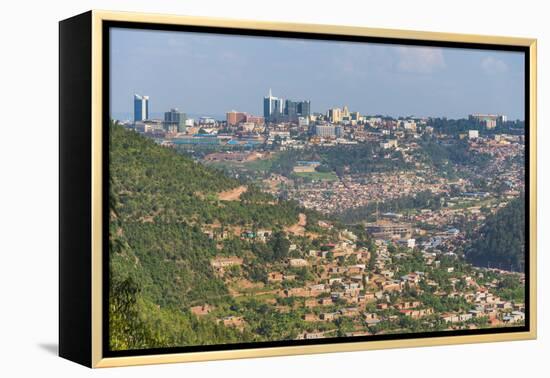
342	286
489	120
288	124
280	117
291	123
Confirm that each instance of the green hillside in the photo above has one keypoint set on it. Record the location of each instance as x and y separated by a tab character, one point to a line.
500	242
139	317
159	252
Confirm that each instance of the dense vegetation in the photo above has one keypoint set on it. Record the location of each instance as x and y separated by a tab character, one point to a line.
361	158
421	200
440	154
160	256
500	242
136	318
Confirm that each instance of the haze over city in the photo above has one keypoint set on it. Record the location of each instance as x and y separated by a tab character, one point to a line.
211	74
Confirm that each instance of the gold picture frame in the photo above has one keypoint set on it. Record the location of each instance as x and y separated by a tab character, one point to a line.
82	319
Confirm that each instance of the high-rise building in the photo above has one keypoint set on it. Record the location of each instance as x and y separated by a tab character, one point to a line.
335	115
296	109
345	111
490	120
277	109
141	108
325	131
174	120
291	110
234	118
273	107
490	123
304	108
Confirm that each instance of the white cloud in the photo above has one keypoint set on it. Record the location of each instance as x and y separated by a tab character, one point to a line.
420	59
492	65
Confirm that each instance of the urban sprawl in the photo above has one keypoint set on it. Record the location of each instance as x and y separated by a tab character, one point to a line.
397	264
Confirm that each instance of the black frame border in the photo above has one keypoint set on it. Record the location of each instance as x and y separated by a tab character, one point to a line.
105	98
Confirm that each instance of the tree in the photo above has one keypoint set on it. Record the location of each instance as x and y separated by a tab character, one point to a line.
126	328
372	260
280	245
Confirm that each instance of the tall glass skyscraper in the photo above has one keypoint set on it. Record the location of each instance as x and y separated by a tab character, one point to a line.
304	108
174	120
141	108
295	109
277	109
273	107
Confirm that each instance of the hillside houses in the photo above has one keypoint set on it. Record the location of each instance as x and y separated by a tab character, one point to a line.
337	282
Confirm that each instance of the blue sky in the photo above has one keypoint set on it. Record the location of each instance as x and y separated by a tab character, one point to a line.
208	74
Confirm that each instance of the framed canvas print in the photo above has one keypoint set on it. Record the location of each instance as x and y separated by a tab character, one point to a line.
234	189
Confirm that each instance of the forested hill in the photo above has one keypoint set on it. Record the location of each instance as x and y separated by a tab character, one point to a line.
155	184
500	242
159	251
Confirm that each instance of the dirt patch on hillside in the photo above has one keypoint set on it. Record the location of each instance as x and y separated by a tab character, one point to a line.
233	194
299	227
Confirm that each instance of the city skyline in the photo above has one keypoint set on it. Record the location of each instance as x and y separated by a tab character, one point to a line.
213	74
